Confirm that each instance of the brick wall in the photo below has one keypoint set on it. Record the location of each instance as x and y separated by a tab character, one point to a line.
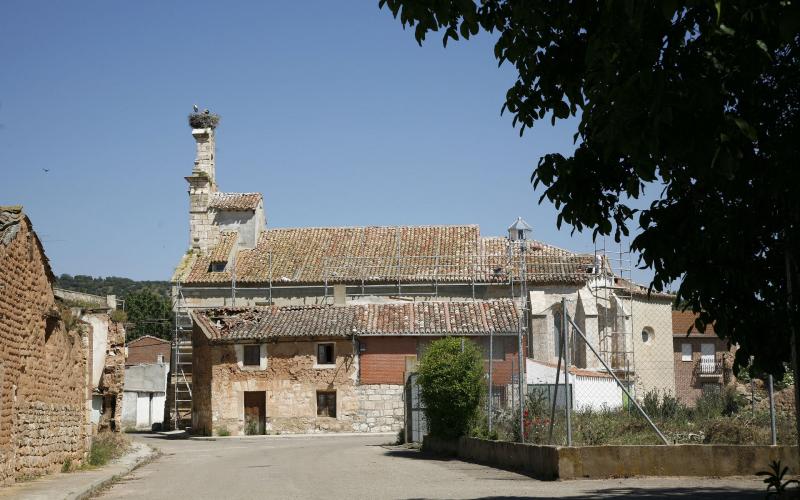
688	382
43	367
384	361
145	350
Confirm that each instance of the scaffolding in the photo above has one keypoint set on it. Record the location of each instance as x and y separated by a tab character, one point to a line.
613	293
181	364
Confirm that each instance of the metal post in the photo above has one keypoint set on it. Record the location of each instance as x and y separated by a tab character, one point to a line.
491	362
520	353
772	414
567	391
555	388
621	386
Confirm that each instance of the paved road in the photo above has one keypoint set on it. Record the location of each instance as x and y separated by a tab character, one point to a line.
363	467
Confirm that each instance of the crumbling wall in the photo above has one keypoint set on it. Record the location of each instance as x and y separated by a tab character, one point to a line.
43	366
113	378
291	381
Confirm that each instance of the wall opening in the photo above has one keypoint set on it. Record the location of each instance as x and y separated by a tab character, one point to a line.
255	412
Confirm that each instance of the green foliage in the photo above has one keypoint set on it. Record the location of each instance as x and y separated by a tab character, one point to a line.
774	480
107	446
251	428
67	466
697	101
223	431
119	316
451	385
148	314
111	285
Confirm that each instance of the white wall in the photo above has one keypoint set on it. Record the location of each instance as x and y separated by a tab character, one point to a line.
589	392
99	324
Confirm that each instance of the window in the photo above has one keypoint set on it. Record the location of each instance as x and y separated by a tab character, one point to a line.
160	359
216	267
647	335
686	352
325	354
252	355
326	404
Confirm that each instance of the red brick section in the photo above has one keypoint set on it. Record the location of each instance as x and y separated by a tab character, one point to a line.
688	382
145	350
384	361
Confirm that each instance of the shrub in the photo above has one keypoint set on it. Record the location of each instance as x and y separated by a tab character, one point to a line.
223	431
709	405
650	403
119	316
203	120
670	406
107	446
401	436
451	385
67	466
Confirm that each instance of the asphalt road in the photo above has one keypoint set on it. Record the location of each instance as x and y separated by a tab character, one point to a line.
365	467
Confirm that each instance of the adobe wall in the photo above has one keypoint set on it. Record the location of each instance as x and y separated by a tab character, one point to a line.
43	368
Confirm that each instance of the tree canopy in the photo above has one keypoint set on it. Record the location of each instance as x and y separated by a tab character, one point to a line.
149	313
697	100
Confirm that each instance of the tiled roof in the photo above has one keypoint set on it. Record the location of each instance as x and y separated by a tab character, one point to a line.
406	254
410	318
641	291
234	201
683	323
222	251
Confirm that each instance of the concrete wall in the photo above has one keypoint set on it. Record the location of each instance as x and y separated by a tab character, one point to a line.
556	462
589	392
45	403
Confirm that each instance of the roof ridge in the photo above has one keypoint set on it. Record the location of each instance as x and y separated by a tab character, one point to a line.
373	227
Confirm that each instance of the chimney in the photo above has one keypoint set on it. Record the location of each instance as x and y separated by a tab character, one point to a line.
339	295
202	185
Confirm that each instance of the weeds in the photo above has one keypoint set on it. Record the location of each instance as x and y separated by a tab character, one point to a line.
223	431
775	484
107	446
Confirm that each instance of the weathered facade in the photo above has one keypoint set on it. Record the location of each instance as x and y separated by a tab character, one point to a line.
147	350
235	260
327	368
45	370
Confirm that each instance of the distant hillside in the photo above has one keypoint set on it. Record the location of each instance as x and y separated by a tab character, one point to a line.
112	285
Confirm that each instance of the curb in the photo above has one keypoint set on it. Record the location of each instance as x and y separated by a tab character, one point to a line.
144	455
297	436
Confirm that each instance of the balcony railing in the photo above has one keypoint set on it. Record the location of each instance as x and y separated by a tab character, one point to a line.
709	366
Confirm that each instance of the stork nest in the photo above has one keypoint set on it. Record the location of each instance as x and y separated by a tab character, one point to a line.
203	120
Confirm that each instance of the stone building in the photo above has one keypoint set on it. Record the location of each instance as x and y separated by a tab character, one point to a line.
329	367
107	341
703	361
235	259
45	370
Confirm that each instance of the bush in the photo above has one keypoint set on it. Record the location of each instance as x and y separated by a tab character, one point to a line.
203	120
107	446
119	316
223	431
650	403
451	385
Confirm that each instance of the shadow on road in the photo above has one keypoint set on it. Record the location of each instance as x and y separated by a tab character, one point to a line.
648	493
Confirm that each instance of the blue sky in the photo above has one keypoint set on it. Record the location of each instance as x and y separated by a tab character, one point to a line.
330	109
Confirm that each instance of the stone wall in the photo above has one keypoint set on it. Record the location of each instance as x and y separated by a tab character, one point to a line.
290	382
381	408
43	366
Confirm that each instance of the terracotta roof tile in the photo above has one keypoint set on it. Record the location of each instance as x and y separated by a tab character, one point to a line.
222	251
234	201
406	254
409	318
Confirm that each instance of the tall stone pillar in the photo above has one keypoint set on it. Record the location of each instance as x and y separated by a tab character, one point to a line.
202	185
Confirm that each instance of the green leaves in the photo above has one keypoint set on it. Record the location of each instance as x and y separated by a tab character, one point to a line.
452	385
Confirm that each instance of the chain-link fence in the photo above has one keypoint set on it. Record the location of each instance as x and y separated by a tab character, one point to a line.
675	390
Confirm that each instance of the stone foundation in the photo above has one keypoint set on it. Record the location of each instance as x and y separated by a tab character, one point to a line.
381	408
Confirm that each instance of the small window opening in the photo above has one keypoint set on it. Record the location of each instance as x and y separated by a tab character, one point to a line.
686	352
216	267
326	404
252	355
160	359
647	335
325	354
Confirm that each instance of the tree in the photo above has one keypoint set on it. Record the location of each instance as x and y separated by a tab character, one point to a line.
149	313
451	385
698	100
